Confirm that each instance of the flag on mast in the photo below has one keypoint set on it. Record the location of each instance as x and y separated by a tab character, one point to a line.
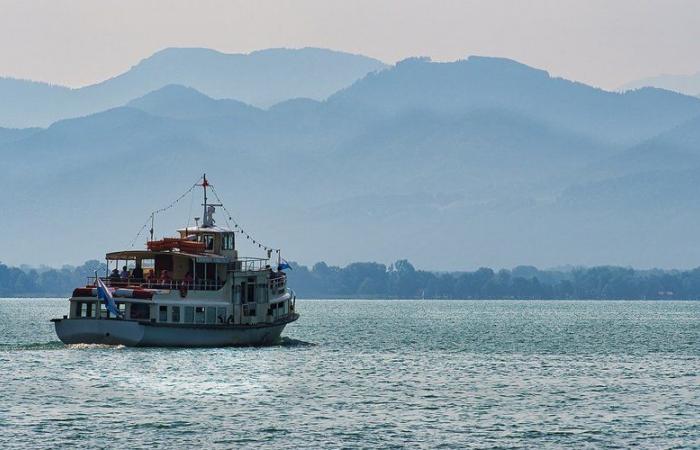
103	293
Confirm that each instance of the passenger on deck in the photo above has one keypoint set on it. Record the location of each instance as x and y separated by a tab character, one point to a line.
125	274
137	273
114	276
165	277
188	280
151	277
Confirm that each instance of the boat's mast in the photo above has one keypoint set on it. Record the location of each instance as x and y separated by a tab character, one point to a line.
204	185
152	214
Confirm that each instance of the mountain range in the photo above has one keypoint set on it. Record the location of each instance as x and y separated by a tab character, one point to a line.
482	161
260	78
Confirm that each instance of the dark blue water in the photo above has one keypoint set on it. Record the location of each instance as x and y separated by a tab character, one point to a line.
353	374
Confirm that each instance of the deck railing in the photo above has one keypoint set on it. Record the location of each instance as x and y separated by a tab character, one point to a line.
195	285
248	264
278	282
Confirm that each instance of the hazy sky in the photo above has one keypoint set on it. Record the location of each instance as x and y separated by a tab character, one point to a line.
605	43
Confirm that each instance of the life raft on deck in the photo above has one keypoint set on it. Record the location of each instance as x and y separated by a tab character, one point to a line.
169	244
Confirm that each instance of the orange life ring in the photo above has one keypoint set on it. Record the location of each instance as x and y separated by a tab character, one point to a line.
183	290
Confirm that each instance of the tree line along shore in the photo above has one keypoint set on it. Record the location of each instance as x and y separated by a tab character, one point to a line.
402	280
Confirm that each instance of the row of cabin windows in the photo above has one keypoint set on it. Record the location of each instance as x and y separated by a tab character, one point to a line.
227	241
192	314
142	311
174	314
87	309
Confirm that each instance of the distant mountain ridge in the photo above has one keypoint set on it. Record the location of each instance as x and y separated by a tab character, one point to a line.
180	102
260	78
685	84
486	82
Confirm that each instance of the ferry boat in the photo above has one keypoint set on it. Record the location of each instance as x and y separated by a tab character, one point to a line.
197	292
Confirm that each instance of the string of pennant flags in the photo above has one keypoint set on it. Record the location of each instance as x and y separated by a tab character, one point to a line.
237	227
158	211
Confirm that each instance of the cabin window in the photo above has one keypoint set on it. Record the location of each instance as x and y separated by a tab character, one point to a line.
227	241
162	313
211	315
199	314
175	314
140	311
221	315
208	240
189	314
83	309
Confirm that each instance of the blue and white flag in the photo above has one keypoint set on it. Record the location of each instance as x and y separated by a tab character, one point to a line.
283	265
103	293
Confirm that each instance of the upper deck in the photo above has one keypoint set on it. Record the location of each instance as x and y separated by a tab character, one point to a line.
201	257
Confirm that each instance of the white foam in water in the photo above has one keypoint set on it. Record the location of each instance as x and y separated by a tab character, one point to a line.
93	346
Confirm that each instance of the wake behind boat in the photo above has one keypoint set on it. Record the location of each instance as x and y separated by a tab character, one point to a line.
197	292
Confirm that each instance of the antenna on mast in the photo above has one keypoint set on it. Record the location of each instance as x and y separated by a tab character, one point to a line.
208	217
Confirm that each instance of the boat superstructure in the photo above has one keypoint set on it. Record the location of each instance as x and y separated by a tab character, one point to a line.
192	289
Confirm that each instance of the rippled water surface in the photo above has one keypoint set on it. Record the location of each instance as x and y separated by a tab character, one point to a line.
451	374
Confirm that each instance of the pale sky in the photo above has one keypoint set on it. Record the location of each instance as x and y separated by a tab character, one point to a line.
601	42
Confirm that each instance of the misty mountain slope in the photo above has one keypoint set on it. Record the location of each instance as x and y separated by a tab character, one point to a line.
26	103
675	149
260	78
653	192
15	134
685	84
481	82
486	152
180	102
124	134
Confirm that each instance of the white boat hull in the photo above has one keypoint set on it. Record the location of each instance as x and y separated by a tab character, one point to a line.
145	334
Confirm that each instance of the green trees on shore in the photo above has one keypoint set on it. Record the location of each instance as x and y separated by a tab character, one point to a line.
402	280
44	282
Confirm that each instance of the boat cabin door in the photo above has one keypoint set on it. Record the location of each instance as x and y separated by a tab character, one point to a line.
248	291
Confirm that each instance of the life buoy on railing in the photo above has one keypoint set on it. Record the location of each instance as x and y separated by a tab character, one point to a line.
183	290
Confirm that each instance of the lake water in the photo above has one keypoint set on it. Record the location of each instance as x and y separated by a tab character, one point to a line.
450	374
